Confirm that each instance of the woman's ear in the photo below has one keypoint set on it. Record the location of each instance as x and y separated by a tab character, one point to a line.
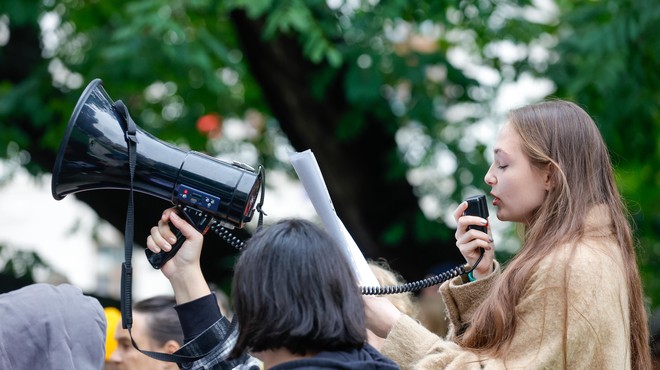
548	174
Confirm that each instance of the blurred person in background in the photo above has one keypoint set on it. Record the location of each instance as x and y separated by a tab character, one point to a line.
43	326
405	302
223	301
112	317
431	309
402	301
155	328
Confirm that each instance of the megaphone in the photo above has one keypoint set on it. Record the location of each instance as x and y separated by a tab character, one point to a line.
94	155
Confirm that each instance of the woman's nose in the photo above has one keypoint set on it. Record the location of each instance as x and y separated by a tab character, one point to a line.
489	179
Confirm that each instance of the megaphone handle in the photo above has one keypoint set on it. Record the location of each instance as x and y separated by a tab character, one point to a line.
200	220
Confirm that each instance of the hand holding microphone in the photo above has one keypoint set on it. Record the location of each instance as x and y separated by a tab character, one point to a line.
473	234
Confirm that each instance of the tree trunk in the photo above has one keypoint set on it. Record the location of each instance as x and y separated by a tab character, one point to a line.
369	202
356	170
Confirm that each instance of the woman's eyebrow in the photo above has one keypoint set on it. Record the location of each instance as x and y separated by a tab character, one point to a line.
500	154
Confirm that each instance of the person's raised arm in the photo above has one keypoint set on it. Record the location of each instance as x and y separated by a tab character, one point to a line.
381	315
183	270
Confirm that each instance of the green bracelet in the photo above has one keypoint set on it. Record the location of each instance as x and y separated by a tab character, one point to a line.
471	277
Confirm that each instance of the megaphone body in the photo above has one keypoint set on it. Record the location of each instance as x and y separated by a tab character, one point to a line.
94	155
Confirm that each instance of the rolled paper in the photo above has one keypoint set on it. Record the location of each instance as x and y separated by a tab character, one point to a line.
309	173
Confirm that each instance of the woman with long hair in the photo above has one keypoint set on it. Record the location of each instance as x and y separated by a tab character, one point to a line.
571	298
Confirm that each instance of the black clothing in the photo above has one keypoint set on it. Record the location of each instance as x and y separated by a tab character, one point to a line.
201	319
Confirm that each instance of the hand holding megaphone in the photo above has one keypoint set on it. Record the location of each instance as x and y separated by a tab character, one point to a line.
198	219
182	268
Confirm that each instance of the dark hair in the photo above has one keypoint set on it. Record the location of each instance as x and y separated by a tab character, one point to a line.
293	288
162	320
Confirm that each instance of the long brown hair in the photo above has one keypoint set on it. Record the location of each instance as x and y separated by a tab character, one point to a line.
561	136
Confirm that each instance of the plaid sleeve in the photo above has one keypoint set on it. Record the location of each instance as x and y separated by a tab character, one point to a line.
214	345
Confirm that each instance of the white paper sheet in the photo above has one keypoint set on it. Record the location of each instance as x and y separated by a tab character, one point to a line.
305	165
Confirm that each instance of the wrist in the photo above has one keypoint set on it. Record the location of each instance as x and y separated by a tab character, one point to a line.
479	273
189	286
390	319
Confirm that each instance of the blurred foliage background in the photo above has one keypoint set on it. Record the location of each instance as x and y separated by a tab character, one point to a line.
398	100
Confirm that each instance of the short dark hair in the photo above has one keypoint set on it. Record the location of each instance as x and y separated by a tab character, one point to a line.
293	288
162	320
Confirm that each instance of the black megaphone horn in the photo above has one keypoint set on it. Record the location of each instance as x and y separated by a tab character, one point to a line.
93	155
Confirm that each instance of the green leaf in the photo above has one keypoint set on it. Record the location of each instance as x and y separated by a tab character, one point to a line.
394	234
350	125
334	57
363	86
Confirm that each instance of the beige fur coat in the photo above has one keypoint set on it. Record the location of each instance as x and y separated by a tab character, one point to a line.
598	314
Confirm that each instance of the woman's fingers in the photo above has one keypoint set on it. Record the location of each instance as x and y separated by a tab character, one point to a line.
161	237
156	242
186	229
458	213
482	239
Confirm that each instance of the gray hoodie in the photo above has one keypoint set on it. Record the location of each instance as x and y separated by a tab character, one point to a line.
51	327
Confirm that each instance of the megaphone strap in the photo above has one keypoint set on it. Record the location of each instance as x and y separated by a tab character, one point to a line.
262	174
127	269
220	338
205	343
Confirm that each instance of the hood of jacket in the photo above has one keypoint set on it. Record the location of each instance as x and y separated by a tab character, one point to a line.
44	326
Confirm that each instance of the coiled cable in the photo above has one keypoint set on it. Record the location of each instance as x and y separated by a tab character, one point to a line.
420	284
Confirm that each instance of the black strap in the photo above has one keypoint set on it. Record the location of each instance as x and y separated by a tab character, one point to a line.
204	344
126	267
262	174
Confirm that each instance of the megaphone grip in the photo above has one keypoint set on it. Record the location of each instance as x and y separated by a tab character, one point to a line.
200	220
157	260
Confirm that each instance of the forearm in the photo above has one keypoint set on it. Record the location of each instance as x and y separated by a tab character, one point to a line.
189	285
462	299
407	342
